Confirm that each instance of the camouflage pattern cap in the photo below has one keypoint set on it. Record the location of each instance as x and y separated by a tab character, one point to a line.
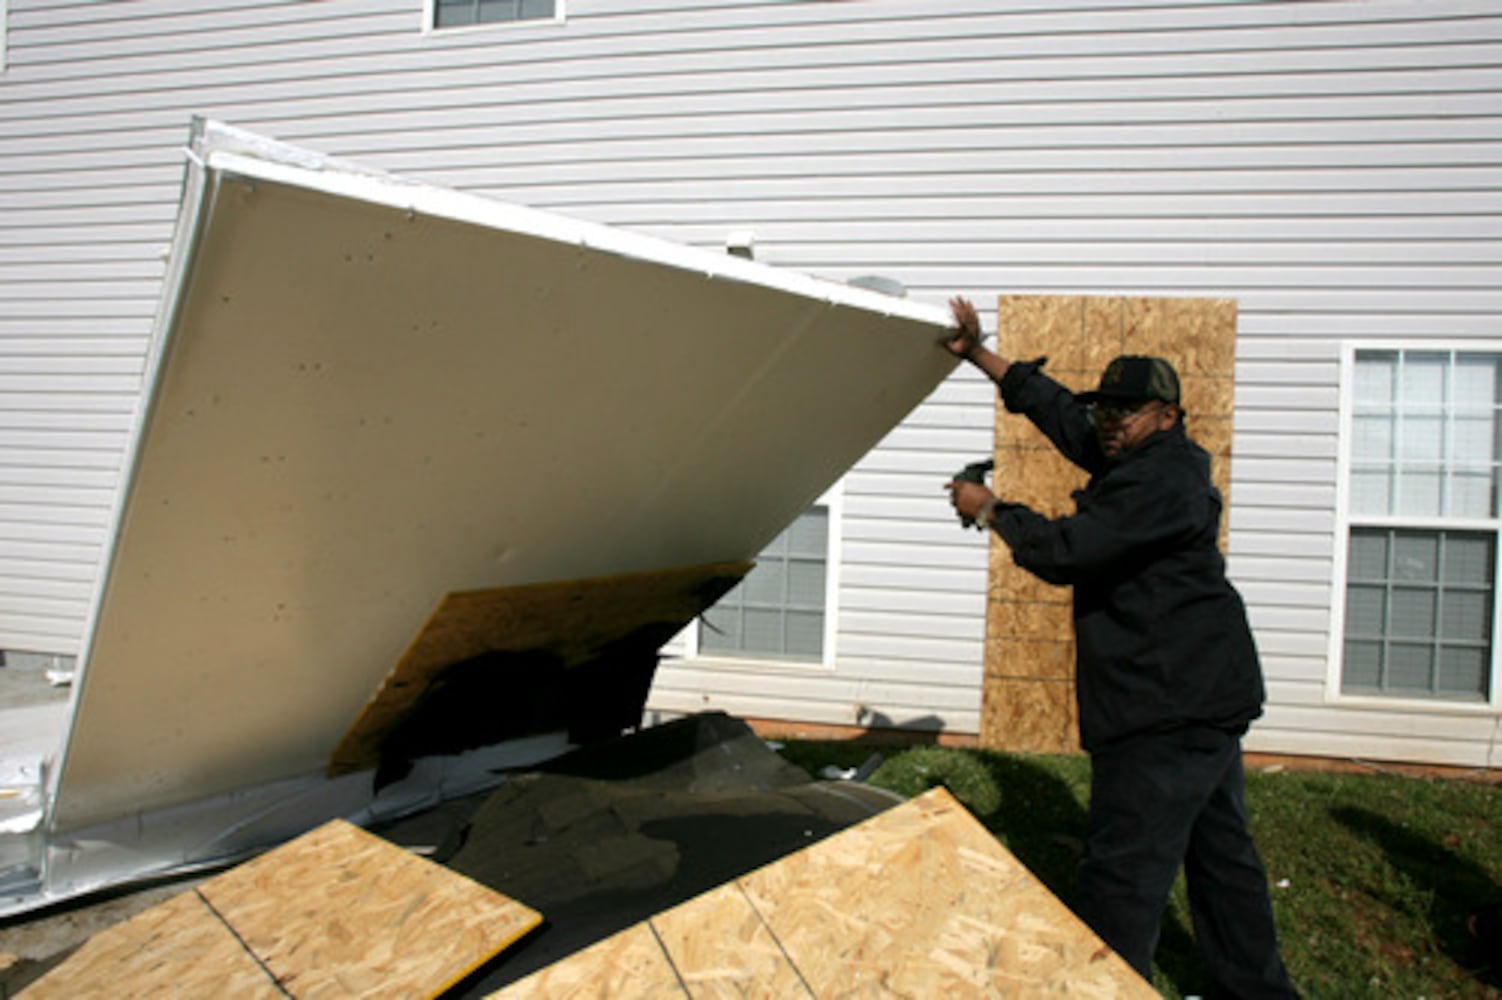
1135	378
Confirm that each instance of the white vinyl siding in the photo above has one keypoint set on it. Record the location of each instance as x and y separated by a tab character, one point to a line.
1332	166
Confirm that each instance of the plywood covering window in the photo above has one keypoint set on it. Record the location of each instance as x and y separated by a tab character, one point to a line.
777	611
462	13
1423	521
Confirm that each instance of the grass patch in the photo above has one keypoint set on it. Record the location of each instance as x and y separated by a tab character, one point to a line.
1373	874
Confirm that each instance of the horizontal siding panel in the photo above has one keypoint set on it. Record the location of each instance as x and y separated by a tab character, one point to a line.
858	578
1265	737
1409	720
956	608
1252	420
1310	545
916	623
1247	518
920	650
1285	593
960	680
1307	452
1284	616
905	554
1285	469
940	527
1301	646
63	467
1287	567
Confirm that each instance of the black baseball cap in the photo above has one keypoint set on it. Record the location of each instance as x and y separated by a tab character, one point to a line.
1135	378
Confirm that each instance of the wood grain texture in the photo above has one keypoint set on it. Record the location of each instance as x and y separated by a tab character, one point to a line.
340	912
920	900
629	964
179	948
337	912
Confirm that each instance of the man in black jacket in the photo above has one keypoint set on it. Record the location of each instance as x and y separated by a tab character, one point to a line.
1167	675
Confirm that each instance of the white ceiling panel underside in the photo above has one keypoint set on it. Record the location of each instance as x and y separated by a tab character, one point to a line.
366	393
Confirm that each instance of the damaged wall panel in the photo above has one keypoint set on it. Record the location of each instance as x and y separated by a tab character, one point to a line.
365	394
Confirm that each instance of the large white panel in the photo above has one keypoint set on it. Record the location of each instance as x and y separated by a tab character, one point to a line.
366	394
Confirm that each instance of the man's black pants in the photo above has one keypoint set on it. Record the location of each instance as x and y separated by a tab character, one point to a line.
1171	799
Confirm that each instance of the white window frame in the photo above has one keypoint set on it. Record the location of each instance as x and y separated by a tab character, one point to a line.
430	17
833	502
1344	521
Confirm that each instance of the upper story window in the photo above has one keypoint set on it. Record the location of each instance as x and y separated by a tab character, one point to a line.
463	13
1422	525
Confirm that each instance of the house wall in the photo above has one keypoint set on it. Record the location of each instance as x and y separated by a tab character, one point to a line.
1333	167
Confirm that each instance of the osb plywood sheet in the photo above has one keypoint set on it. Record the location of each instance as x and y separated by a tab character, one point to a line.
568	621
918	901
1029	627
335	913
1038	714
178	949
339	912
625	966
722	947
366	393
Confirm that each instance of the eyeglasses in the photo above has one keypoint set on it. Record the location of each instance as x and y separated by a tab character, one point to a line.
1115	413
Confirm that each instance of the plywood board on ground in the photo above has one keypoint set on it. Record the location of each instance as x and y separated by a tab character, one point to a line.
364	394
918	901
334	913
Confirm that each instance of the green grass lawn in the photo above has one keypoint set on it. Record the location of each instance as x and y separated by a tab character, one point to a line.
1373	875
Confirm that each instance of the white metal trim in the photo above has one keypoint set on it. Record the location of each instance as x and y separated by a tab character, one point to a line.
198	189
1343	522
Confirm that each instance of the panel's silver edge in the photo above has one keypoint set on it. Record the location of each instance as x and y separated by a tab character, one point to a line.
198	190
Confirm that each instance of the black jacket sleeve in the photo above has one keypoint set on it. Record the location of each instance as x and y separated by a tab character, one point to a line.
1131	514
1053	410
